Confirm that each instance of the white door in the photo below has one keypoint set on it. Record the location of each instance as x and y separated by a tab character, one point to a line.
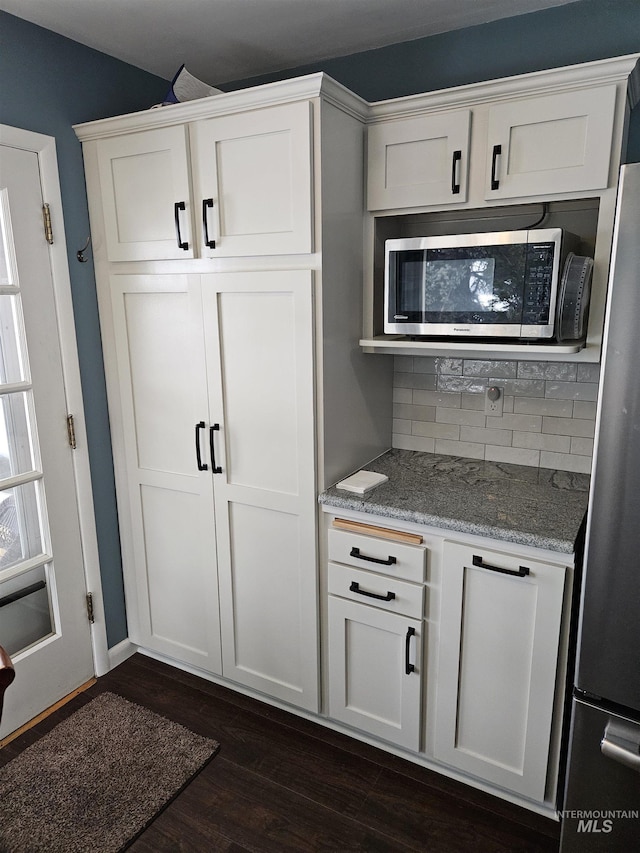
419	161
498	658
259	338
375	671
146	204
43	615
558	143
158	397
252	180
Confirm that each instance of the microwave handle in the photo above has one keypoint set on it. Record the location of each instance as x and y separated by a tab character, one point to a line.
455	185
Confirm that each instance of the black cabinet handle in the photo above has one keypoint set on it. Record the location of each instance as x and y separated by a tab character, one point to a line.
355	587
457	158
520	572
207	203
408	667
497	151
215	468
177	207
355	552
201	465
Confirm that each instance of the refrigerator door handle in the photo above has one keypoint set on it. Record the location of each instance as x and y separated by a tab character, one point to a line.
622	743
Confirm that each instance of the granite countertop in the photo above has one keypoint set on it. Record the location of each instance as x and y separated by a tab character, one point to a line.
538	507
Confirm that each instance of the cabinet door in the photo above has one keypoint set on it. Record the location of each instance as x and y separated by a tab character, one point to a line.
418	161
370	685
260	365
165	502
499	639
252	178
553	144
144	180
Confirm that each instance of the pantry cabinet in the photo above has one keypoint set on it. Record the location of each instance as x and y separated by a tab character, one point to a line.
223	232
500	621
219	187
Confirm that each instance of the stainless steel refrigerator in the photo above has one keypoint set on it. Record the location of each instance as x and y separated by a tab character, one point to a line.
601	810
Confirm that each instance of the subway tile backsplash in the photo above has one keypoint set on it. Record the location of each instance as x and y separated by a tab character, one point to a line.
548	418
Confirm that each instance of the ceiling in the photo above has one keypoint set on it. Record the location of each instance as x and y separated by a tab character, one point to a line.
224	40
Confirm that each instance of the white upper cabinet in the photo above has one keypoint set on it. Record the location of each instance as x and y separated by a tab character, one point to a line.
252	187
146	200
252	179
419	161
552	144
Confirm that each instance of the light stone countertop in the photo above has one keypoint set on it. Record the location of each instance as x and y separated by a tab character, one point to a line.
530	506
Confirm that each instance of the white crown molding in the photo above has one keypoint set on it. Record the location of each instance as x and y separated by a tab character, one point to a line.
589	74
269	94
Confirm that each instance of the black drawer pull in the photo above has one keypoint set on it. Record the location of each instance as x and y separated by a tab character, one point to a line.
216	469
497	151
178	206
202	466
408	667
355	587
355	552
455	185
520	572
207	203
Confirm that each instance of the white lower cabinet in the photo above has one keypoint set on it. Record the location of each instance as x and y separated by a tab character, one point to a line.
500	621
376	671
461	662
375	635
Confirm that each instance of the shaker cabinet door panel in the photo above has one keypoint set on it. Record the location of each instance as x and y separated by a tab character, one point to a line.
252	176
165	502
419	161
559	143
369	686
498	655
146	204
261	392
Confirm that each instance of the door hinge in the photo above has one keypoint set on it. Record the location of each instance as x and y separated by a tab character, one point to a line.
90	613
48	228
71	432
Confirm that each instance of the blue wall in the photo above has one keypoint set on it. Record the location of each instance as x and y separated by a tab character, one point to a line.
565	35
50	83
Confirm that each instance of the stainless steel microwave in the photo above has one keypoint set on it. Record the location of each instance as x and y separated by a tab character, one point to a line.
496	285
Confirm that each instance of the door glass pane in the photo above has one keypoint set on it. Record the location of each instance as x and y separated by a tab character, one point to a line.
16	455
12	362
25	611
22	515
20	524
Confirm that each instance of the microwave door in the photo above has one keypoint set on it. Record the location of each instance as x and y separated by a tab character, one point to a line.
407	285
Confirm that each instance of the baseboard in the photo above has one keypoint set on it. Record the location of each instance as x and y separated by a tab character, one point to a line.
119	653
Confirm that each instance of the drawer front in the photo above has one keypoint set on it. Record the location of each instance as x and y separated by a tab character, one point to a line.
377	590
394	559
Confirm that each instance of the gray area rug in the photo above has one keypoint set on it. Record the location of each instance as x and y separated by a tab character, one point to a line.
96	780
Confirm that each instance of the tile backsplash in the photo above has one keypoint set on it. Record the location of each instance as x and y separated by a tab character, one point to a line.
548	419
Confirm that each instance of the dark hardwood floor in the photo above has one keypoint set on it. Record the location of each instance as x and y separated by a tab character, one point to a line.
282	783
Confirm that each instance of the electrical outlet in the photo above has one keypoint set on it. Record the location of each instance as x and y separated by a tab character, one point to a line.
493	401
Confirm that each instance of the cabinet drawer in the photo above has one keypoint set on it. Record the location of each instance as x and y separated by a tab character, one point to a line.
378	555
377	590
